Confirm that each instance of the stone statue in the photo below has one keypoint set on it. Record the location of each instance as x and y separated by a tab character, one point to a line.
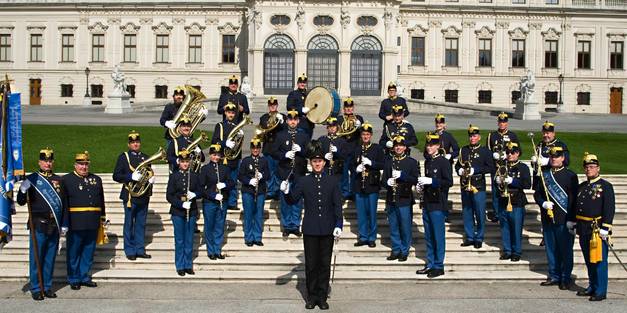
345	18
527	87
527	108
400	90
119	86
246	89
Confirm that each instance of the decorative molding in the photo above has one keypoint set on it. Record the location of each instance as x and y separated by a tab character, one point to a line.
435	24
97	28
212	20
451	31
502	25
66	80
195	29
145	21
162	29
228	29
518	33
129	28
114	21
84	20
161	81
616	36
535	26
485	33
345	18
254	16
551	34
550	87
485	86
583	88
584	35
7	28
450	86
178	21
468	24
388	17
401	20
418	30
300	14
36	28
67	28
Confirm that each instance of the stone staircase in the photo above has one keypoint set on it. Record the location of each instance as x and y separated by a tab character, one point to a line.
282	260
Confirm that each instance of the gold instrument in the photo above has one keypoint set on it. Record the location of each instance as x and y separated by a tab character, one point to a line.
138	188
232	154
196	163
502	171
191	107
273	122
348	126
549	212
466	179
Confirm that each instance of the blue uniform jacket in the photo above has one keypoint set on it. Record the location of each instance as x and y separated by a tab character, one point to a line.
434	195
372	182
481	161
595	198
179	184
124	168
247	172
236	98
410	171
83	192
209	179
567	179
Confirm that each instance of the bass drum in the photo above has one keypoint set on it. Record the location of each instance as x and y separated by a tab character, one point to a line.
322	104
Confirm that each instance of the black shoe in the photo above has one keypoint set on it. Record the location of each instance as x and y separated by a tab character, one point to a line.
75	286
446	220
196	231
549	282
50	294
423	271
564	286
542	243
505	256
360	243
584	293
190	271
212	257
310	305
435	273
492	217
220	256
596	298
323	305
181	272
90	284
144	256
258	243
393	256
286	233
402	258
515	258
249	244
131	257
37	296
297	233
467	243
478	244
372	244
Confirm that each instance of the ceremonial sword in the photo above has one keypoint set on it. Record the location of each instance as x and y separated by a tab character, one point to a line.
609	245
335	259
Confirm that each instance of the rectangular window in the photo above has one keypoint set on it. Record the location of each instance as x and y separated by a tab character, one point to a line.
5	47
67	90
195	49
515	96
518	53
550	53
131	90
418	51
451	52
485	52
552	2
616	55
36	48
161	91
130	48
583	54
583	98
163	49
450	95
228	48
518	1
96	91
418	94
550	97
485	96
97	48
67	48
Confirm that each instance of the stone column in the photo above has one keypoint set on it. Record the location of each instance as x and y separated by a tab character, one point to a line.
534	49
344	76
435	52
467	63
501	47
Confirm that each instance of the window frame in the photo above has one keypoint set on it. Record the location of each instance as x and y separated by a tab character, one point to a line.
617	58
38	48
584	58
130	48
5	48
484	96
451	95
67	47
551	57
67	90
451	54
484	52
583	98
97	49
194	49
228	49
162	50
516	53
417	55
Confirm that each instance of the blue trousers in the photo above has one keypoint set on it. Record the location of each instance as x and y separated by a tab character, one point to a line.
253	216
215	218
473	213
597	272
233	194
134	229
558	243
366	204
347	179
273	182
47	246
183	241
435	238
81	245
445	192
511	230
496	208
290	213
400	219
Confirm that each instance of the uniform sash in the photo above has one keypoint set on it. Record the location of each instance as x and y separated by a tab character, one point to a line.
47	192
556	192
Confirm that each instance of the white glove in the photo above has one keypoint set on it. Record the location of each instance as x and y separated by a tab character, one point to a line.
219	197
508	180
360	168
191	195
460	172
496	155
309	168
548	205
329	156
396	174
25	185
205	112
333	148
391	182
64	231
503	156
290	154
170	124
448	156
534	159
425	180
602	232
279	117
136	176
389	144
357	123
220	186
230	144
571	225
296	147
197	150
151	180
305	110
253	182
366	161
544	161
337	232
472	171
187	205
285	187
259	176
240	133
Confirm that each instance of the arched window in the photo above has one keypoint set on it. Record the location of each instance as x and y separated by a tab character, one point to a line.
278	64
366	58
322	61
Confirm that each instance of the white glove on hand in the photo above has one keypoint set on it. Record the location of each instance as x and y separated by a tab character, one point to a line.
25	185
296	147
472	171
448	156
337	232
136	176
571	227
240	133
604	234
548	205
191	195
389	144
220	186
544	161
309	168
187	205
230	144
305	110
357	123
509	180
219	197
279	117
64	231
285	187
151	180
360	168
396	174
366	161
391	182
290	154
498	179
329	156
425	180
253	182
333	148
259	176
460	172
496	155
197	150
205	112
170	124
503	156
534	159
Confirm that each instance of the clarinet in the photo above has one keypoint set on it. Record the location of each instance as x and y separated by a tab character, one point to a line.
364	174
331	162
217	182
293	161
256	167
394	187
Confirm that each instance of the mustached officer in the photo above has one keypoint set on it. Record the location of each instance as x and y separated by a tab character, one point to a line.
387	105
398	127
84	196
237	98
221	134
43	191
369	158
334	148
253	175
449	144
438	177
512	201
296	102
135	207
560	183
594	213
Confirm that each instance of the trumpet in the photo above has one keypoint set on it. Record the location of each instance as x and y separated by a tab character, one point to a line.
138	188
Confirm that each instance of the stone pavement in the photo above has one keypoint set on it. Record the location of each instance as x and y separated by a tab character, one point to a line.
366	298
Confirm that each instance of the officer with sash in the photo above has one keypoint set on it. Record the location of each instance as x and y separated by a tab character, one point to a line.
237	98
334	148
169	112
216	182
560	184
369	159
512	203
220	136
388	104
253	175
181	143
400	173
270	144
296	102
593	216
135	208
43	192
183	189
291	143
352	144
398	127
438	177
449	145
322	223
497	143
84	196
474	162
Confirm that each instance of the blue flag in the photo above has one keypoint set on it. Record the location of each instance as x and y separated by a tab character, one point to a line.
12	163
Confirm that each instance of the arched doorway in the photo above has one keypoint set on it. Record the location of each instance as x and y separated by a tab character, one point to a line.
366	58
322	60
278	65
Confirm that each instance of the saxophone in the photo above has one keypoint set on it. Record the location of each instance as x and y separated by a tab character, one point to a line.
191	107
138	188
196	163
232	154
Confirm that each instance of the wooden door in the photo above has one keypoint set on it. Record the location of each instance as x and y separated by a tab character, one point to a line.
35	91
616	100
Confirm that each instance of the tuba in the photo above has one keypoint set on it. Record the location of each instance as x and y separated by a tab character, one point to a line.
196	163
348	126
192	107
232	154
138	188
273	122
